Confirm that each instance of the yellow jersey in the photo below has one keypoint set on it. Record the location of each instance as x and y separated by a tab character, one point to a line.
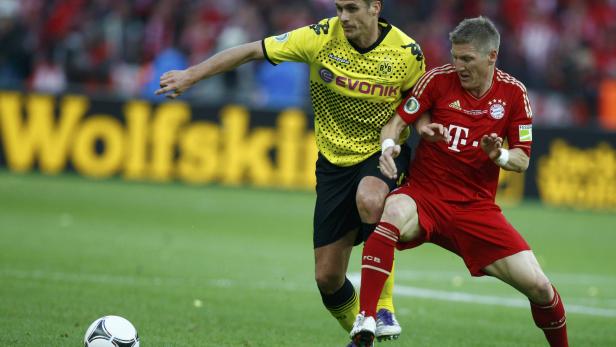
354	90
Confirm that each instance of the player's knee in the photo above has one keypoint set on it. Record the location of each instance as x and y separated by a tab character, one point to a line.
544	291
329	282
540	290
399	209
369	205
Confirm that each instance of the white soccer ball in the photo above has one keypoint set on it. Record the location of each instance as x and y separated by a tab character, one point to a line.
111	331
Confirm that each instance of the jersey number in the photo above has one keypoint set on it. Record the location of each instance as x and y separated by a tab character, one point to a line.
415	50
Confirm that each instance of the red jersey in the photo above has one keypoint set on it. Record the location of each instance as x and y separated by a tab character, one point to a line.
460	171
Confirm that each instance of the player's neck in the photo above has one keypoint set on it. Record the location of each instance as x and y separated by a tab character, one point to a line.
367	40
484	87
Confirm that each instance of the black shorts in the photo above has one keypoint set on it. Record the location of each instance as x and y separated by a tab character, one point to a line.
335	212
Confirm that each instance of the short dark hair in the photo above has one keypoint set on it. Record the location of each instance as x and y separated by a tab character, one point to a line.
368	2
479	31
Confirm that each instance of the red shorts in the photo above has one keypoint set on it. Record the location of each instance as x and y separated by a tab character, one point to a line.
478	232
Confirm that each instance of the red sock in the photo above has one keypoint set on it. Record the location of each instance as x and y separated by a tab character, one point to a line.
552	320
376	263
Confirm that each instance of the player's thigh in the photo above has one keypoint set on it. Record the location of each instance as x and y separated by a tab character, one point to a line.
482	235
401	211
522	271
335	212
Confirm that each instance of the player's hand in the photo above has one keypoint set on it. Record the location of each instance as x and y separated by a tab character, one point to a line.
387	165
434	132
491	145
175	82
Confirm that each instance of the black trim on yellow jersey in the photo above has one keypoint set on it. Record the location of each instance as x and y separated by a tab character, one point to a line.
378	41
265	53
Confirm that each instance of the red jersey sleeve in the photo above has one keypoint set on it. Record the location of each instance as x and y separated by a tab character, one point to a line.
520	131
419	100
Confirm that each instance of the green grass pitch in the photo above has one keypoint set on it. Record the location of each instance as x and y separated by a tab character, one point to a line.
224	266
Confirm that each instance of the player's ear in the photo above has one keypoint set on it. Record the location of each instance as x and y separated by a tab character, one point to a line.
375	7
492	56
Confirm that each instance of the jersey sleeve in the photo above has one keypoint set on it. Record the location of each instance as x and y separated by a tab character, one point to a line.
299	45
520	131
420	100
417	68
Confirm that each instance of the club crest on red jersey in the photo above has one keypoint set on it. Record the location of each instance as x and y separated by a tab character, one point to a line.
497	108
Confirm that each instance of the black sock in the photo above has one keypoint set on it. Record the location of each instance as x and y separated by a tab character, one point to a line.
343	304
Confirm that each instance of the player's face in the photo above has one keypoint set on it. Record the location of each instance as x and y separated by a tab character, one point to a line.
474	67
357	17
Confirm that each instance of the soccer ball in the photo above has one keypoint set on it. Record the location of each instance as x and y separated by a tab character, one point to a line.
111	331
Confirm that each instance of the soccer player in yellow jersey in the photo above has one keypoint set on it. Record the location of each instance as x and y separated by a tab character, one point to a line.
360	69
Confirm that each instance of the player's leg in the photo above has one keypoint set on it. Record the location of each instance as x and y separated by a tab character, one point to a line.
337	292
523	272
336	221
370	198
399	221
490	245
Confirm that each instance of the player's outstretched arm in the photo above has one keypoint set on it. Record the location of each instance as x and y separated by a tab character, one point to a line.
509	159
389	149
175	82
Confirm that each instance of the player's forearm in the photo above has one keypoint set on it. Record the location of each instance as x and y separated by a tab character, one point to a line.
226	60
518	161
424	119
393	128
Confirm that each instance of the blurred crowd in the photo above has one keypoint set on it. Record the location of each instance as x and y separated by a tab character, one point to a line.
561	49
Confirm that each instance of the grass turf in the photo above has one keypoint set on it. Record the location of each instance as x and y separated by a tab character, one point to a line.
223	266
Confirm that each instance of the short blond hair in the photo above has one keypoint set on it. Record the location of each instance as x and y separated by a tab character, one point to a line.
479	31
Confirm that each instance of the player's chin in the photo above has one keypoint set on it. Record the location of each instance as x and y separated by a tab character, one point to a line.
350	34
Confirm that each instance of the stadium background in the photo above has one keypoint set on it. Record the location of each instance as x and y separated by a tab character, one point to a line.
83	139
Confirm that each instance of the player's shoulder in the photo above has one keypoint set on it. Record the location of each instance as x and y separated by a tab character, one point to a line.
509	81
442	75
398	40
396	35
325	27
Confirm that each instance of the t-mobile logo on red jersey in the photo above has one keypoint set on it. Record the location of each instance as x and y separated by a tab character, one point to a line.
459	136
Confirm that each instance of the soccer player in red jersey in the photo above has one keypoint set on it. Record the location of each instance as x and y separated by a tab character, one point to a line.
449	197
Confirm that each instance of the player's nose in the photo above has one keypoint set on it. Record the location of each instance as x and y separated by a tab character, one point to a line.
459	66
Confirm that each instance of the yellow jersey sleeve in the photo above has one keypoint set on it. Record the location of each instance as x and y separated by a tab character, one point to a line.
416	70
299	45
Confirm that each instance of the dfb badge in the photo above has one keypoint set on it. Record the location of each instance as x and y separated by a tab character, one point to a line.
411	106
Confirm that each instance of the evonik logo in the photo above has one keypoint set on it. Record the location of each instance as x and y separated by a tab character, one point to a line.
367	87
363	87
